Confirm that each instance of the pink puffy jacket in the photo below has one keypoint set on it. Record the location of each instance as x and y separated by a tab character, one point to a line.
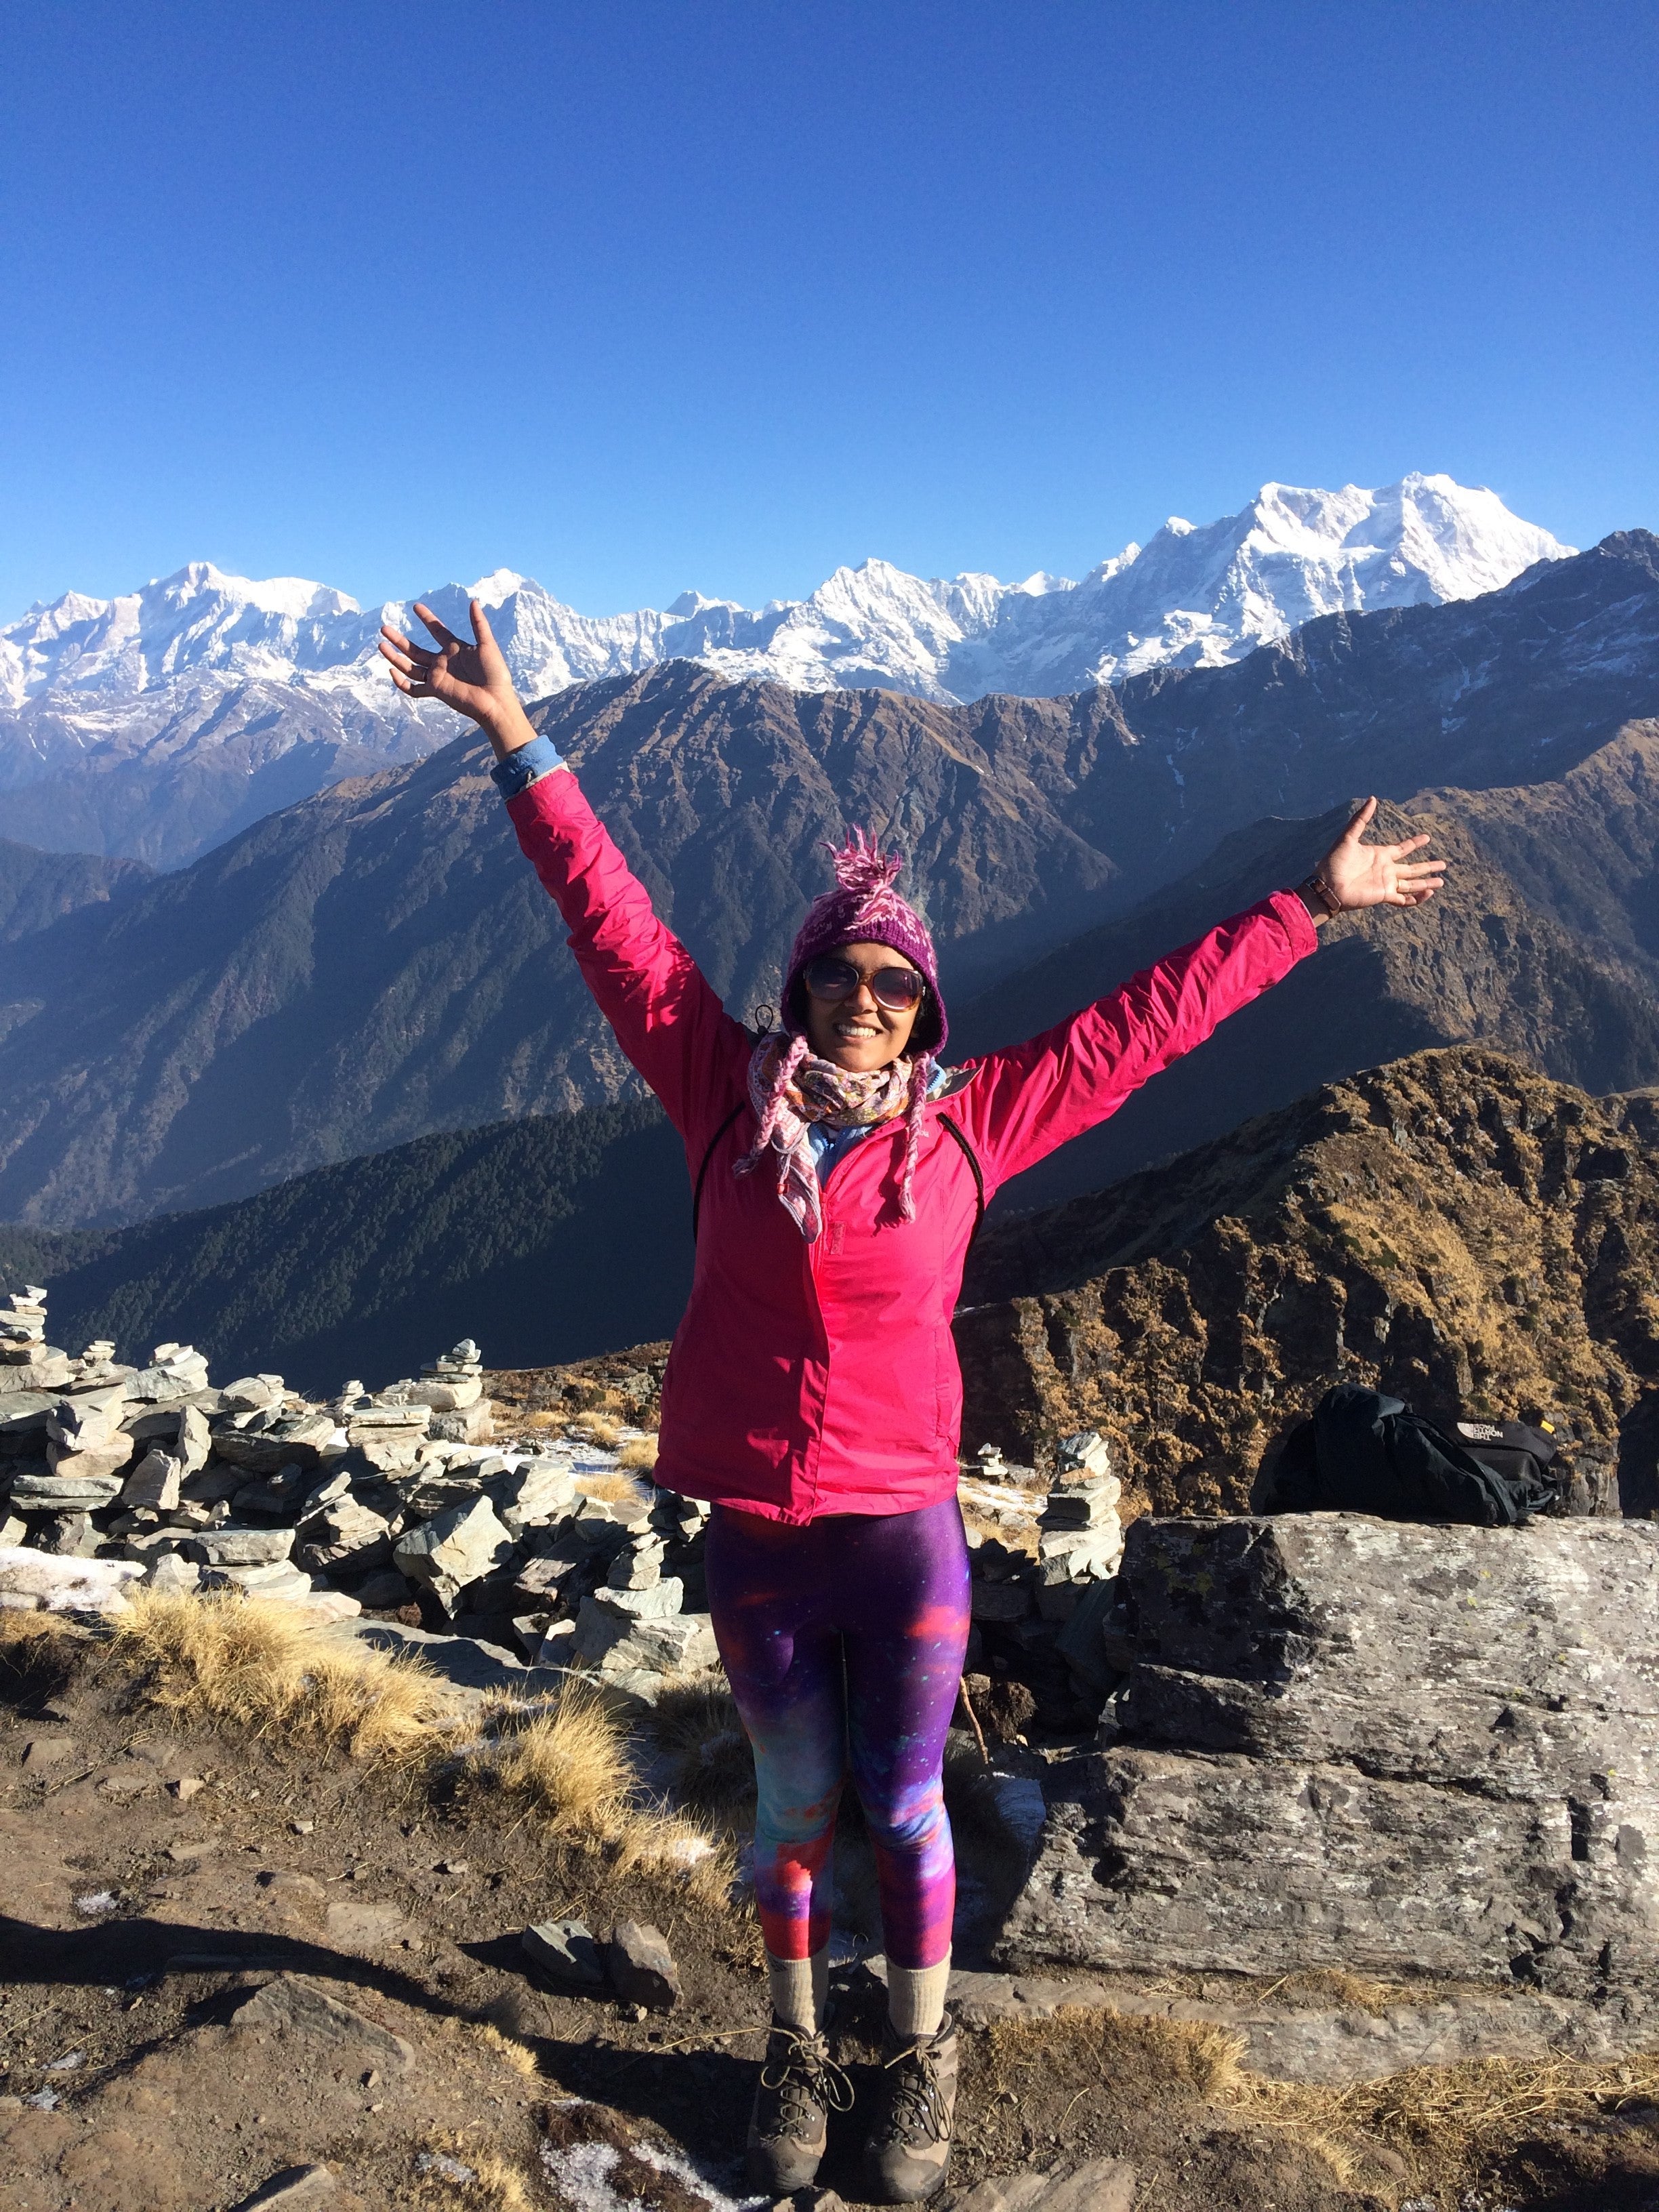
823	1377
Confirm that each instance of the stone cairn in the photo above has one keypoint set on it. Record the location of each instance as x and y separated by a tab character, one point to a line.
393	1502
1041	1609
29	1362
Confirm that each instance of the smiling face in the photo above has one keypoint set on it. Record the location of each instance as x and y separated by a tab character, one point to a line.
858	1032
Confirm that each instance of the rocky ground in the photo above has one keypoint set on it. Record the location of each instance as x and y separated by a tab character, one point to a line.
290	1760
235	1952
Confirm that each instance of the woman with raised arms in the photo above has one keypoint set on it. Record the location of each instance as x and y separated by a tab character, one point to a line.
813	1395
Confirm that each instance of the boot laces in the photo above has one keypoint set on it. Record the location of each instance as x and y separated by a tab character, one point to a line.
916	2103
804	2078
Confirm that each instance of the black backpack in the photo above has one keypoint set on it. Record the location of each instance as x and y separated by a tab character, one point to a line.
1365	1453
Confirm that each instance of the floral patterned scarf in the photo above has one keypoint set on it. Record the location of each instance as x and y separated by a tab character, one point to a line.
791	1088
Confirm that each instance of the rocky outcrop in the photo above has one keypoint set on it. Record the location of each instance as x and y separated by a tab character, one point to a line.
1451	1228
1388	1748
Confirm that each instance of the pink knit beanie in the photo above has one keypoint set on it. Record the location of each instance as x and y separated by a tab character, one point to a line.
864	908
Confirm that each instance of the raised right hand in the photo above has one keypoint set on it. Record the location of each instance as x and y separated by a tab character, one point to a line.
472	678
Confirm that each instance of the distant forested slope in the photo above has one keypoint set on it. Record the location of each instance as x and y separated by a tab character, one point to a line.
544	1238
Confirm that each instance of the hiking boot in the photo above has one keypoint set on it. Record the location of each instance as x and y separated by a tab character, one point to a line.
799	2086
910	2146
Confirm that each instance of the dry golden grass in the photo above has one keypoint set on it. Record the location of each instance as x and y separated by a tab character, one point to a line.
696	1729
519	2055
598	1429
570	1761
259	1664
641	1453
1195	2054
495	2185
507	2048
20	1629
1333	1986
615	1488
674	1847
1448	2122
1149	2057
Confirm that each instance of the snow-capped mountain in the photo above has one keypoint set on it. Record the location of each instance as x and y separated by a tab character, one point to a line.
203	661
1193	597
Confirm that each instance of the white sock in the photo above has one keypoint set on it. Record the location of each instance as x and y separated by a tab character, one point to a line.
915	1996
800	1989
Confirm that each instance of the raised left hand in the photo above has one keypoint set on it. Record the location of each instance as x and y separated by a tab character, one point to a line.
1360	875
471	678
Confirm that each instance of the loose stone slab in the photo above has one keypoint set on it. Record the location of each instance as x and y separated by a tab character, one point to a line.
454	1548
240	1547
294	2190
62	1491
153	1482
290	2005
566	1950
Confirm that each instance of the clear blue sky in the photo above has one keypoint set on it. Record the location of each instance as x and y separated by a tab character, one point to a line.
636	296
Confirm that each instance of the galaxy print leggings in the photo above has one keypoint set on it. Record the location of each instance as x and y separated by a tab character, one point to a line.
843	1642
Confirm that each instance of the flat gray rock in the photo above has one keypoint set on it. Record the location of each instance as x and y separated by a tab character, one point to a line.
240	1547
294	2187
566	1950
65	1492
1384	1747
1105	2184
465	1661
292	2006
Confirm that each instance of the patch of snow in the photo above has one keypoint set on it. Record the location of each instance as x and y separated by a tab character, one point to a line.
46	1581
687	1850
582	2175
96	1901
445	2169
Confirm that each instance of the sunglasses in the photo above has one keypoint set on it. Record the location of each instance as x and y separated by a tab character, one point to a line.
899	989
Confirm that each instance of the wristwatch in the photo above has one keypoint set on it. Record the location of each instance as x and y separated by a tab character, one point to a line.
1317	894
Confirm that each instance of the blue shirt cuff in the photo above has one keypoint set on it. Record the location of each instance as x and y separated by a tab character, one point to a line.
525	766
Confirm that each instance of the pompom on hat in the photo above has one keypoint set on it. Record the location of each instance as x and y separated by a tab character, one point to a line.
864	908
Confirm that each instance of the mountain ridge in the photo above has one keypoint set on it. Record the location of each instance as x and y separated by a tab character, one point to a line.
1451	1227
205	696
1193	596
377	964
569	1231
